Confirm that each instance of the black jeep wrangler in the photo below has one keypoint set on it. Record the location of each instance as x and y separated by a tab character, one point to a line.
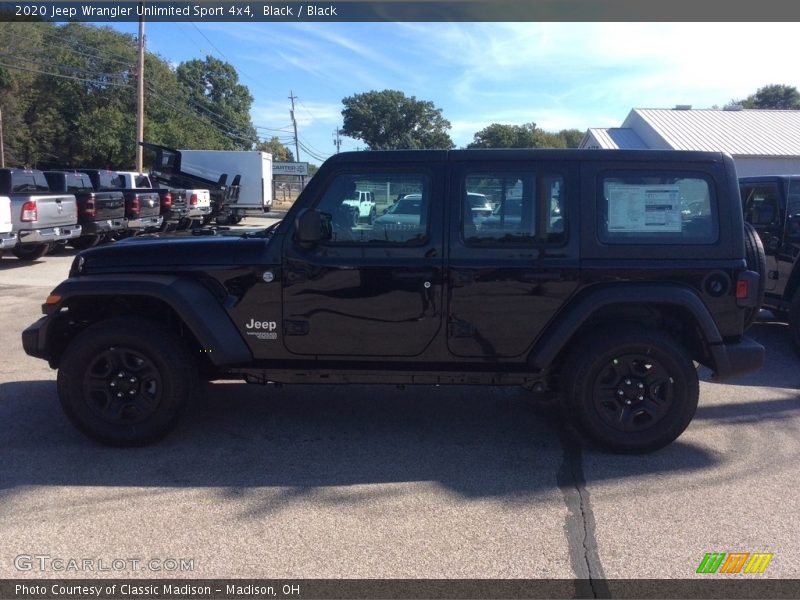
600	277
772	207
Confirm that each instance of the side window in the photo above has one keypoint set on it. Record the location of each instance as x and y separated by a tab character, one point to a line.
793	210
761	206
661	208
378	208
512	209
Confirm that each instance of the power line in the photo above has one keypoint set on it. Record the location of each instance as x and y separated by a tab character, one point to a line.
18	68
75	70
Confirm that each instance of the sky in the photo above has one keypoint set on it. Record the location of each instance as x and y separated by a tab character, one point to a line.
557	75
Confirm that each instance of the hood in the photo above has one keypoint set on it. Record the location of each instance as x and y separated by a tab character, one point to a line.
153	254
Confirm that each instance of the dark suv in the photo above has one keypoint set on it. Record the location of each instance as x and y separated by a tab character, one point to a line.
603	282
772	206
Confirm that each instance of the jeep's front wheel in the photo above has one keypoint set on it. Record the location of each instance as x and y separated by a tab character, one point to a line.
125	381
630	390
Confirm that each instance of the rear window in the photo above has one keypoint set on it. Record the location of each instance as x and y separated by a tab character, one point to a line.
28	181
658	208
78	183
108	180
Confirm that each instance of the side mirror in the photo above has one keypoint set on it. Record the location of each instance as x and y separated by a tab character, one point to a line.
312	227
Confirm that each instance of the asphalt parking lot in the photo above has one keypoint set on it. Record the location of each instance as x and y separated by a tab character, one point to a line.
378	482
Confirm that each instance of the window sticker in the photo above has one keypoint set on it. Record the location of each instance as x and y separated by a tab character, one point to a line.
644	208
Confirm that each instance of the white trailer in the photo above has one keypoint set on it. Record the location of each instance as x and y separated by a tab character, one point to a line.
253	167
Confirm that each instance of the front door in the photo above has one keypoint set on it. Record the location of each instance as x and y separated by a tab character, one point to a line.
375	288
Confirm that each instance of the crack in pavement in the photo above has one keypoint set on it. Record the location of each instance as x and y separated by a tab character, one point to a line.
580	525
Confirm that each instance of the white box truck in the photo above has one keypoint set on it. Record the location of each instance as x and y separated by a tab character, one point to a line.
253	167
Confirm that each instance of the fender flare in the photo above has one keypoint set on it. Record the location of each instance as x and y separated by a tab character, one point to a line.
555	337
197	307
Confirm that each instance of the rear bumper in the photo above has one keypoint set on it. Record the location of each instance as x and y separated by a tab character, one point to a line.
8	240
737	358
145	222
198	211
104	226
48	235
175	214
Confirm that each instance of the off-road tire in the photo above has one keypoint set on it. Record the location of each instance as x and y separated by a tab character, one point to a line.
30	252
125	381
601	388
756	261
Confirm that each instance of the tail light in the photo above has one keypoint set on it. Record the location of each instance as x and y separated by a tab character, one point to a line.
90	207
742	289
135	207
166	200
30	212
193	200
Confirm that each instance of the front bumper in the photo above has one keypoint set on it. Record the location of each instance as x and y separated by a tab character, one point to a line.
49	234
8	240
737	358
145	222
34	339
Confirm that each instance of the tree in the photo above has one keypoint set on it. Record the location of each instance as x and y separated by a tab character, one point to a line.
775	96
498	135
389	120
280	153
528	135
214	92
572	137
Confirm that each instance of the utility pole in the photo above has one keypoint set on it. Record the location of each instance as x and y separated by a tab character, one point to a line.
292	97
337	141
140	96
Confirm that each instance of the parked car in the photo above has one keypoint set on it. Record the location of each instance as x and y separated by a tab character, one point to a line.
771	204
608	314
175	209
479	205
100	214
8	238
40	217
142	203
366	208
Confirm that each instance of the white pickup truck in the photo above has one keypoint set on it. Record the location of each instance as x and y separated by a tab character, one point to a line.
8	238
199	203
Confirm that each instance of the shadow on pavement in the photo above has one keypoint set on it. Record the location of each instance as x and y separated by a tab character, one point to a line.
477	442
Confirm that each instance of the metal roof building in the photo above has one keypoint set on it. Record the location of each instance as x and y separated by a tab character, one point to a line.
762	142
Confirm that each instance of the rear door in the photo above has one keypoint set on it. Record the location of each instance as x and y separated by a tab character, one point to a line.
372	289
511	271
764	208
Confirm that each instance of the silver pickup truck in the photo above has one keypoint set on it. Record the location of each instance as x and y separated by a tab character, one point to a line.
39	217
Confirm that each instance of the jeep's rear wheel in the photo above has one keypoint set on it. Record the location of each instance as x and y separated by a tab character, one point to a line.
756	260
125	381
630	390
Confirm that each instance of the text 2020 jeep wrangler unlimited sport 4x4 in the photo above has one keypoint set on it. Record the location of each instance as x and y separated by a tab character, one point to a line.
601	276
